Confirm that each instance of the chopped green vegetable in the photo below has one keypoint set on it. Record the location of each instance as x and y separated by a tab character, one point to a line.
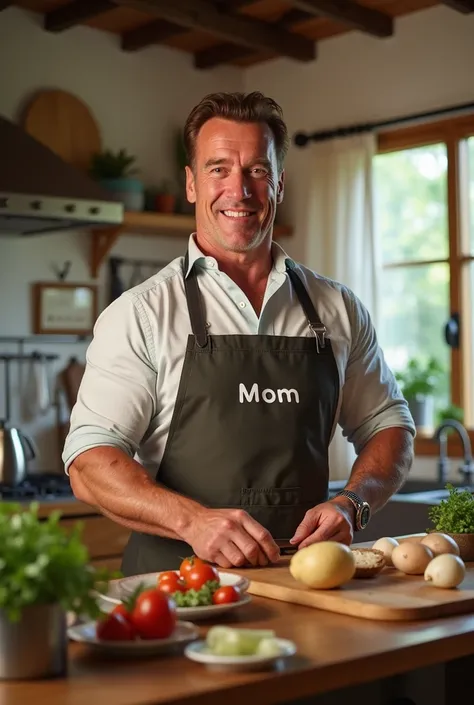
230	641
41	563
196	598
454	515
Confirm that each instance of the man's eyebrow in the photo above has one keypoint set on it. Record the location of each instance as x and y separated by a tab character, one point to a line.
215	162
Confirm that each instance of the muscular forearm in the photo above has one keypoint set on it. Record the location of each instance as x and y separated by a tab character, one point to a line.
382	466
121	489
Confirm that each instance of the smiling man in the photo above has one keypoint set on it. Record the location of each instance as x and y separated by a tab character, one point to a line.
213	389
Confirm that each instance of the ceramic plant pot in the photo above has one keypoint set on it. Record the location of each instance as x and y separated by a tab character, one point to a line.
466	545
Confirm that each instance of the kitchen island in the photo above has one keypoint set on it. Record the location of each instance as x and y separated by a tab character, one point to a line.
341	660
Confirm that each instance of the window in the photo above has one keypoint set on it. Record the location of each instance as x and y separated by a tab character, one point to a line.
424	219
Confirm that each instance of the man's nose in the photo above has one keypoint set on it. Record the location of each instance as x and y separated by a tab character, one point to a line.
239	186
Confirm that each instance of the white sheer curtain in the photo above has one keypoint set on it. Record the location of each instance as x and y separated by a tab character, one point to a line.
340	235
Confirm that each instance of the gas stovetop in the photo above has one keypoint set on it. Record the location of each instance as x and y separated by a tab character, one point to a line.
44	486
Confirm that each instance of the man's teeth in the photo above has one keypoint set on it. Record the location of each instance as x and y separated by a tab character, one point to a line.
237	214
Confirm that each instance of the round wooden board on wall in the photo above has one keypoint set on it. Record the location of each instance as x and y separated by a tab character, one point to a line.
65	124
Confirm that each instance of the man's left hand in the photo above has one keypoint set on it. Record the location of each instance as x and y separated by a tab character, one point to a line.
330	521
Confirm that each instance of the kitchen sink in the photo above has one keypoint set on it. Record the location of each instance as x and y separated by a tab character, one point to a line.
412	486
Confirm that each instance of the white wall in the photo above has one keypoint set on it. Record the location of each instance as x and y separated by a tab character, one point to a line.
138	100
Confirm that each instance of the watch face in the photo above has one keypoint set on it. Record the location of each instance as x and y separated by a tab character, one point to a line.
365	515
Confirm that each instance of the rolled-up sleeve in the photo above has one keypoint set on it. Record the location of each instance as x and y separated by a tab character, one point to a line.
371	398
117	395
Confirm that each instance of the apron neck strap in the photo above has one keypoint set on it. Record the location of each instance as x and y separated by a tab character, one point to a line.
193	297
314	322
198	321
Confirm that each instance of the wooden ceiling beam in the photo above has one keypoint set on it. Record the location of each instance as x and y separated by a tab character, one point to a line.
231	27
357	16
160	30
225	53
152	33
75	13
464	6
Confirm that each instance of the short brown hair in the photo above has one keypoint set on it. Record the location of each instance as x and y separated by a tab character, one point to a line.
240	107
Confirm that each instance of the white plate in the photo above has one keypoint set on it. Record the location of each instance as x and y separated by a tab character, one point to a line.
198	651
124	587
86	633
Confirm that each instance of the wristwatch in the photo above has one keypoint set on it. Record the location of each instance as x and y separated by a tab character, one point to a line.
362	508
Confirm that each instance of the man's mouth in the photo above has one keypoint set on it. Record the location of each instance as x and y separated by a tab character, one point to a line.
238	214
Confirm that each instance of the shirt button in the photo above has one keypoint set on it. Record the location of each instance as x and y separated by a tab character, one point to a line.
210	262
242	304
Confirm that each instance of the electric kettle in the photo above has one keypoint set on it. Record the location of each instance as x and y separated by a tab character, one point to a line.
16	449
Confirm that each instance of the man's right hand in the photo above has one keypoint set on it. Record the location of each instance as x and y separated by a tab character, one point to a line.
231	538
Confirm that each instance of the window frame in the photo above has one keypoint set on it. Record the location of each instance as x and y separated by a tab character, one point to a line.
451	132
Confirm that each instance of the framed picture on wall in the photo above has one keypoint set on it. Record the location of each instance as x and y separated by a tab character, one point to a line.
64	309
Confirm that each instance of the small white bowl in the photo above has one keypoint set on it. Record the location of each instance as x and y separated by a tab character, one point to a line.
198	651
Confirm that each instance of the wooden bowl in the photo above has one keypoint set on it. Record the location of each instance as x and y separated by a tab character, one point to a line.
465	543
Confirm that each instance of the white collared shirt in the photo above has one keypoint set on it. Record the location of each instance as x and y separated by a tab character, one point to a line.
128	392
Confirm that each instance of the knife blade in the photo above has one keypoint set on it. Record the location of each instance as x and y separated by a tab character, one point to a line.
286	548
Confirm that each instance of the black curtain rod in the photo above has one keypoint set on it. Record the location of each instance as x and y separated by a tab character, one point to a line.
301	139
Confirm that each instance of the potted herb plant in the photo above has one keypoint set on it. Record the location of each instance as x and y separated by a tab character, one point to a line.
419	382
455	516
115	172
44	573
165	198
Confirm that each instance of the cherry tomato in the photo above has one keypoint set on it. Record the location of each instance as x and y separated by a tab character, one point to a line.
123	611
115	628
168	575
187	564
225	594
154	615
170	587
200	574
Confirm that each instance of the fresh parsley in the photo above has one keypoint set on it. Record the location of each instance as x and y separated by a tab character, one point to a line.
41	563
196	598
454	515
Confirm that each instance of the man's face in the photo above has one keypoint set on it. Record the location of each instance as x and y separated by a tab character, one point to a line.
235	184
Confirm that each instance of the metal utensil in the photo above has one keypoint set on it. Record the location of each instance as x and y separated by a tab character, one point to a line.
286	548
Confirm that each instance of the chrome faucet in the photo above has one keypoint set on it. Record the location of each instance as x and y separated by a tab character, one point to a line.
441	435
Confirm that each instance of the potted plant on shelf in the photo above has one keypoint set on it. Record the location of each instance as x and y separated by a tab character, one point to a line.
165	198
455	516
419	382
114	171
44	573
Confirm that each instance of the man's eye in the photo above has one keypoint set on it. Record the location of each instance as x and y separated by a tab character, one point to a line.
216	170
259	171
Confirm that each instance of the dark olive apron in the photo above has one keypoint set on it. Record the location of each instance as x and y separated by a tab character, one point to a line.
251	427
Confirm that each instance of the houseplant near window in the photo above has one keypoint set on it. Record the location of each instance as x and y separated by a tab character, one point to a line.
419	382
114	171
44	573
455	516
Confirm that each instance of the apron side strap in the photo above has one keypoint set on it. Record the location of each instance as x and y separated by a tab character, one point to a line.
314	322
196	312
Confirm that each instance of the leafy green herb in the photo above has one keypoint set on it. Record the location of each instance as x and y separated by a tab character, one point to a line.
196	598
41	563
454	515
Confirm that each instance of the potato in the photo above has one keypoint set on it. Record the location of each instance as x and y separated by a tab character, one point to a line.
411	558
323	565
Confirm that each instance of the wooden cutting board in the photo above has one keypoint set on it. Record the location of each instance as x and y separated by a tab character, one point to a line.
391	595
65	124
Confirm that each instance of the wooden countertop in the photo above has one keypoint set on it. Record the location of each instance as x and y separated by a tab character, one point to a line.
69	507
334	651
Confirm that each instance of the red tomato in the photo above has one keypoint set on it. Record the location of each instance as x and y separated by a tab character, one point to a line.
115	628
168	575
154	615
170	587
123	611
187	564
200	574
225	594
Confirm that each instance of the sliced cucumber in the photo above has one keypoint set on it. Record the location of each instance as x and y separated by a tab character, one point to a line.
230	641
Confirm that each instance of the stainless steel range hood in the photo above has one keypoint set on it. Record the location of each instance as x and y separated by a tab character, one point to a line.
39	192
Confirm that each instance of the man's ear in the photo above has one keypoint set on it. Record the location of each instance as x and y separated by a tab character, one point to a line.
190	185
281	187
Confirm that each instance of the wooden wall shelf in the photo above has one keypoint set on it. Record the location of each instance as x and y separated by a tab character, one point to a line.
147	223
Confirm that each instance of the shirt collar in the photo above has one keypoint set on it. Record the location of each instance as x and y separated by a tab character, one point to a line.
195	256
